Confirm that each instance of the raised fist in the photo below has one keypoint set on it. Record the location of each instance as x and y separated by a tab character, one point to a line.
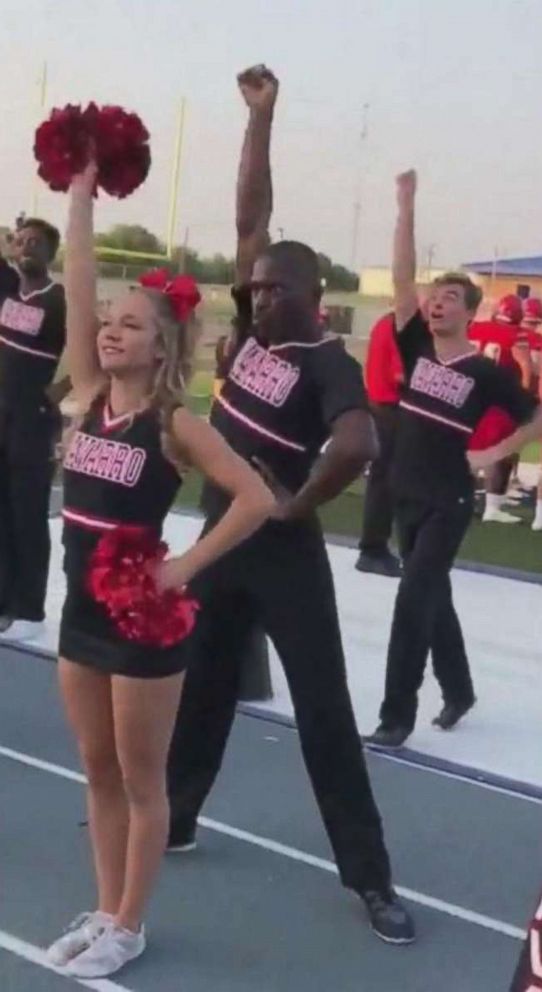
406	186
259	87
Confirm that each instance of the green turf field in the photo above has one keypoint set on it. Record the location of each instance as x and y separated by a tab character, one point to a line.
505	546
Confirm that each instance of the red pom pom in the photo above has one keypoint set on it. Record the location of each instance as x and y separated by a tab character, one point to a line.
117	139
120	579
123	153
61	147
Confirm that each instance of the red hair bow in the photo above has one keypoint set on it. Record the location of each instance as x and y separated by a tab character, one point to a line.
181	290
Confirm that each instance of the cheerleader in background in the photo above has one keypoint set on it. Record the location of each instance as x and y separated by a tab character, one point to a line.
122	467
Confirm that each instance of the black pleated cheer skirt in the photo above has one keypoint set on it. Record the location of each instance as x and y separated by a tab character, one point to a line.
89	637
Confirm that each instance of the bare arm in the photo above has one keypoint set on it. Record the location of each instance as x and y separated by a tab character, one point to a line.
254	188
252	502
352	444
404	251
80	285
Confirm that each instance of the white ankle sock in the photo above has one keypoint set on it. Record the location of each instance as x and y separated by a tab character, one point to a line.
493	501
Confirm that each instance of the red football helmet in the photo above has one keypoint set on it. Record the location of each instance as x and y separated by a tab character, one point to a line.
509	309
532	310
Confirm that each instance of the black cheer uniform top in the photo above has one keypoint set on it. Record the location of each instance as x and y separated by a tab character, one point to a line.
115	474
279	402
441	404
32	337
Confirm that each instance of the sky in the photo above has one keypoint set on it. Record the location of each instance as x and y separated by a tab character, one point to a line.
453	88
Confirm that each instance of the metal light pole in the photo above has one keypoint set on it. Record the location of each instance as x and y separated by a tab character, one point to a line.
42	100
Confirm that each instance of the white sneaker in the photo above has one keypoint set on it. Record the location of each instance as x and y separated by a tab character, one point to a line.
536	525
494	516
110	950
23	630
77	937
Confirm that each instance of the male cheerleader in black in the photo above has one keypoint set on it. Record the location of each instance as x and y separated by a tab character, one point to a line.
259	89
122	466
32	333
449	387
289	388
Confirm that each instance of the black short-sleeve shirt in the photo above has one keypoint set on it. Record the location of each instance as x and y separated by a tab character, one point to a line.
32	337
279	402
441	406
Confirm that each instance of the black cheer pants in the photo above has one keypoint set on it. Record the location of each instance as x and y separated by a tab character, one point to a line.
424	617
378	506
27	438
281	578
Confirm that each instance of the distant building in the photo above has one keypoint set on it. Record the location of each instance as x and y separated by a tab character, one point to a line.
508	275
376	281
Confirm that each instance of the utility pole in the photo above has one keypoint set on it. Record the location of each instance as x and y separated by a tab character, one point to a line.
357	207
494	268
184	251
430	259
42	102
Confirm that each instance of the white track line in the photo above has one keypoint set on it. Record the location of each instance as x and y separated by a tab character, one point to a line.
456	776
35	955
487	922
302	857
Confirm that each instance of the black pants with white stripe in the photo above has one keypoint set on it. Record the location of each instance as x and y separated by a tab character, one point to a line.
27	437
424	617
282	579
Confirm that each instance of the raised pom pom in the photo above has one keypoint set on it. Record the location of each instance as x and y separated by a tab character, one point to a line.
116	139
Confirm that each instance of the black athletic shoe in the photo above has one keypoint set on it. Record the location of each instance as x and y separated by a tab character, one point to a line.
390	737
389	918
182	838
451	714
384	564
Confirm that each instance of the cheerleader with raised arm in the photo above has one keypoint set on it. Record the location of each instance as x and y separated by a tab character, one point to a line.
121	682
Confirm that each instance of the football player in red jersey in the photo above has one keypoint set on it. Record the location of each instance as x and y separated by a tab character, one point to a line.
502	340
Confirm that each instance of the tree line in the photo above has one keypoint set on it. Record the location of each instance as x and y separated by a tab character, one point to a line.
216	269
